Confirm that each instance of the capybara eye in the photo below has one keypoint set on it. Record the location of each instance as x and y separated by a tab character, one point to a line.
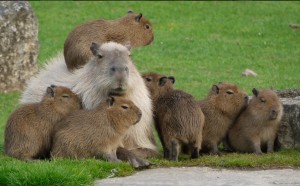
147	26
113	69
65	96
148	79
99	56
229	92
126	69
262	100
124	106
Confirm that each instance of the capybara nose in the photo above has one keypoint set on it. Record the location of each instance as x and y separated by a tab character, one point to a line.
273	114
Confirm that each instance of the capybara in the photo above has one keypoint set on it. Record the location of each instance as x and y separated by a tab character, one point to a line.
110	72
178	117
133	29
257	126
223	104
95	133
29	128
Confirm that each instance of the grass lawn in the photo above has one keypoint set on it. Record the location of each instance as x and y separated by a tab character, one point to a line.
200	43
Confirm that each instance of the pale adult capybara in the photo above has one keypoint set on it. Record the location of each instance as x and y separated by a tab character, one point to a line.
133	29
257	126
178	117
223	104
95	133
110	72
29	128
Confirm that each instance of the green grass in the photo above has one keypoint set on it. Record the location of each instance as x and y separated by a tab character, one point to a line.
200	43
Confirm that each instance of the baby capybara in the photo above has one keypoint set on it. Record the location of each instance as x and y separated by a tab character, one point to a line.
95	133
178	117
133	29
256	127
223	104
29	128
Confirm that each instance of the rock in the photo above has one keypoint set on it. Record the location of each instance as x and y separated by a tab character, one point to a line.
288	93
18	44
289	130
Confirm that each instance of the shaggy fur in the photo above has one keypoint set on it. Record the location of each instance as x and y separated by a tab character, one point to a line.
224	103
29	129
97	132
178	117
133	29
256	127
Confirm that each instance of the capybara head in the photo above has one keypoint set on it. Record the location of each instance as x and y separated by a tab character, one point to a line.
228	98
122	111
266	104
113	60
140	29
61	100
158	84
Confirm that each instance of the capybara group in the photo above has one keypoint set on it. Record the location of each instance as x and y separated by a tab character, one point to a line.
177	115
95	133
256	128
223	104
29	128
109	72
133	29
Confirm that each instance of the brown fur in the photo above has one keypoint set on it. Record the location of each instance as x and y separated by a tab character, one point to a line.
97	132
29	129
223	104
178	117
256	127
130	29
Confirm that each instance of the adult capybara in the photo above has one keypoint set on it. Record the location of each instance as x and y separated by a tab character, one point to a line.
257	126
110	72
178	117
133	29
95	133
223	104
29	128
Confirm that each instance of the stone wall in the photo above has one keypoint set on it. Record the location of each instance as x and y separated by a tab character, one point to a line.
289	131
18	44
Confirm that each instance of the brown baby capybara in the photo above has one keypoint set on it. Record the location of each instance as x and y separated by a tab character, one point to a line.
257	126
29	128
95	133
133	29
178	117
223	104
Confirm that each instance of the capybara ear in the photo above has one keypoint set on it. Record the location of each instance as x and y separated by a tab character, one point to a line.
172	78
130	12
138	17
111	100
215	89
162	81
255	92
50	91
52	86
95	48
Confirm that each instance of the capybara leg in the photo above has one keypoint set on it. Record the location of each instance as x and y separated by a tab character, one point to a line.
196	147
136	162
111	157
257	148
145	153
166	153
214	149
195	153
174	150
270	145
